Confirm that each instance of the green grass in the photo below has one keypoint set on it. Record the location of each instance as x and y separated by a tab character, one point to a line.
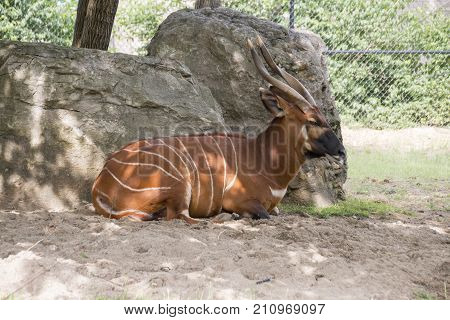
398	165
349	207
120	296
84	255
8	297
421	295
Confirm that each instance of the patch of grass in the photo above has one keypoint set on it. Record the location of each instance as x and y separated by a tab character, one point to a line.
121	296
84	255
349	207
421	295
8	297
398	165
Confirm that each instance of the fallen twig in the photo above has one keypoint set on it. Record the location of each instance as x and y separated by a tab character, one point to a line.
263	280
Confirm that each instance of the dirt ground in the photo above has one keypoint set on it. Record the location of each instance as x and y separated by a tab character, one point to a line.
79	255
83	256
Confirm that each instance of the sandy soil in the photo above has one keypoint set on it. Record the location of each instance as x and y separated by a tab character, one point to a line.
80	255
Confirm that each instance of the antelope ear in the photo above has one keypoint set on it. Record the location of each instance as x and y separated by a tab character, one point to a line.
270	102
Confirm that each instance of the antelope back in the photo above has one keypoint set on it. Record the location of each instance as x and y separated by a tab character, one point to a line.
146	173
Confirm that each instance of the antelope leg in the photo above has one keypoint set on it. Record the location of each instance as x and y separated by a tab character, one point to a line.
142	217
188	219
179	209
147	216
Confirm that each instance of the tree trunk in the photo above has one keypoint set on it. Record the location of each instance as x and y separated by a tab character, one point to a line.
93	26
207	4
79	22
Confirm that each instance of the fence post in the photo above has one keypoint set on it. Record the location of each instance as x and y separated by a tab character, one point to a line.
291	15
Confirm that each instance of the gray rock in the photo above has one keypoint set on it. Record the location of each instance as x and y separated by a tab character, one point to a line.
63	109
212	44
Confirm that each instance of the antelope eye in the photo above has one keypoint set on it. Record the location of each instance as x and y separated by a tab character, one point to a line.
312	122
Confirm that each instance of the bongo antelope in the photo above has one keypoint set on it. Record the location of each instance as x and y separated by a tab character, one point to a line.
199	176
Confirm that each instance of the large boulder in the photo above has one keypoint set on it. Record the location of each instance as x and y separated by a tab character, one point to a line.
212	44
63	109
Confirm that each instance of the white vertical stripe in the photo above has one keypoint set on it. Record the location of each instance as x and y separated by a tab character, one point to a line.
210	176
224	166
235	165
171	148
197	175
184	152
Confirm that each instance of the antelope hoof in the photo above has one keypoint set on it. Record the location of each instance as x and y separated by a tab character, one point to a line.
262	215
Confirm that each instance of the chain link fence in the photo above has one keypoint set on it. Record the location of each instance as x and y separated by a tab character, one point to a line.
388	59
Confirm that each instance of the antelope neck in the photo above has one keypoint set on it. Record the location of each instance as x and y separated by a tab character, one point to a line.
280	146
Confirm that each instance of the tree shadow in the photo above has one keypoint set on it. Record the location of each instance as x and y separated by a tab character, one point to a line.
41	165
